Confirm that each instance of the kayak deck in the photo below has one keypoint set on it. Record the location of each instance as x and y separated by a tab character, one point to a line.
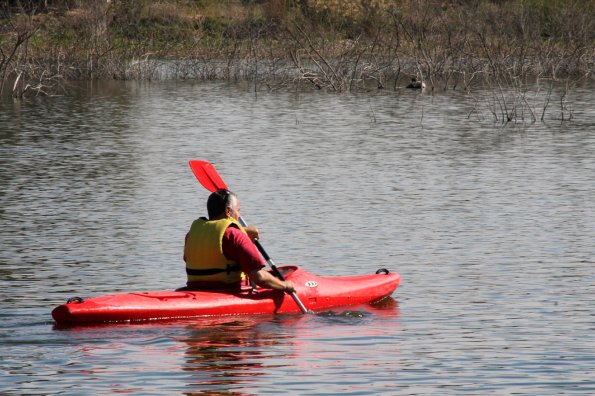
316	293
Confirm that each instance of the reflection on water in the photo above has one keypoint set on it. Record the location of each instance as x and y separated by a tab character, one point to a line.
491	228
230	354
224	354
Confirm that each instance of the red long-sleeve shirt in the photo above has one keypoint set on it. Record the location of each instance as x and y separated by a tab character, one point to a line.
238	248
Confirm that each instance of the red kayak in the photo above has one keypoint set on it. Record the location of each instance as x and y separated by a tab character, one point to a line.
317	293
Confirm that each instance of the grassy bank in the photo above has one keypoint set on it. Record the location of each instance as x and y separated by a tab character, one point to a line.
336	45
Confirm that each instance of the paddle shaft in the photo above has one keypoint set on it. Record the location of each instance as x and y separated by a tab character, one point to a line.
274	268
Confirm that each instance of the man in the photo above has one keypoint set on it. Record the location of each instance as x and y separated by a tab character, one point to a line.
219	251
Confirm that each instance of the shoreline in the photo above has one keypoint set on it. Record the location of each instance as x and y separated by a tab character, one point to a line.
277	45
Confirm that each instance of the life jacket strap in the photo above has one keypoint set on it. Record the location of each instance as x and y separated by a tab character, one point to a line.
213	271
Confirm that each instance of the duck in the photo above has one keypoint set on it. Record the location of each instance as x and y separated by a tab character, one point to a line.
416	84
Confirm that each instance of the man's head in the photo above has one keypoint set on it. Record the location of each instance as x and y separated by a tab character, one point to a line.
222	204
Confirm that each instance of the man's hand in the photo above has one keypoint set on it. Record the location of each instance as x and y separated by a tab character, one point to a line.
289	288
252	232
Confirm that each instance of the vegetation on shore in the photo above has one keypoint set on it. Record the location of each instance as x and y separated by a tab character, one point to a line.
337	45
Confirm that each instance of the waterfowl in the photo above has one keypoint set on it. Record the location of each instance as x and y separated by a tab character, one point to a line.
416	84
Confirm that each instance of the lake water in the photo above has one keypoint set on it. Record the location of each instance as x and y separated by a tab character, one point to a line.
491	227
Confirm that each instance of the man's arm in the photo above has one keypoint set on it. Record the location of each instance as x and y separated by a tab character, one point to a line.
238	247
265	279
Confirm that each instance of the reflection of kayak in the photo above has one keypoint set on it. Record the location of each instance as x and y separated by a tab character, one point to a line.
316	292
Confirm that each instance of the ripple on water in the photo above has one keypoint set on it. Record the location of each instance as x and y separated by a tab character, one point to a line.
490	226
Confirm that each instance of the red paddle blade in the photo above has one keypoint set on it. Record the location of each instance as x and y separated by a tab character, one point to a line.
207	175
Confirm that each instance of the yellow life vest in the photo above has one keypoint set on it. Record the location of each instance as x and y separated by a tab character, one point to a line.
203	252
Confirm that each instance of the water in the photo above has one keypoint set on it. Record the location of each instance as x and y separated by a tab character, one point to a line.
491	228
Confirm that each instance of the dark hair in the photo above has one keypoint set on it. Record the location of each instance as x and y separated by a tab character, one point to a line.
217	202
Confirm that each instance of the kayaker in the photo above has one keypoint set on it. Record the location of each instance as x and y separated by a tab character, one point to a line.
219	252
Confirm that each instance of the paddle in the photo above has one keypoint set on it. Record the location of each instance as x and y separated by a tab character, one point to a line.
209	178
